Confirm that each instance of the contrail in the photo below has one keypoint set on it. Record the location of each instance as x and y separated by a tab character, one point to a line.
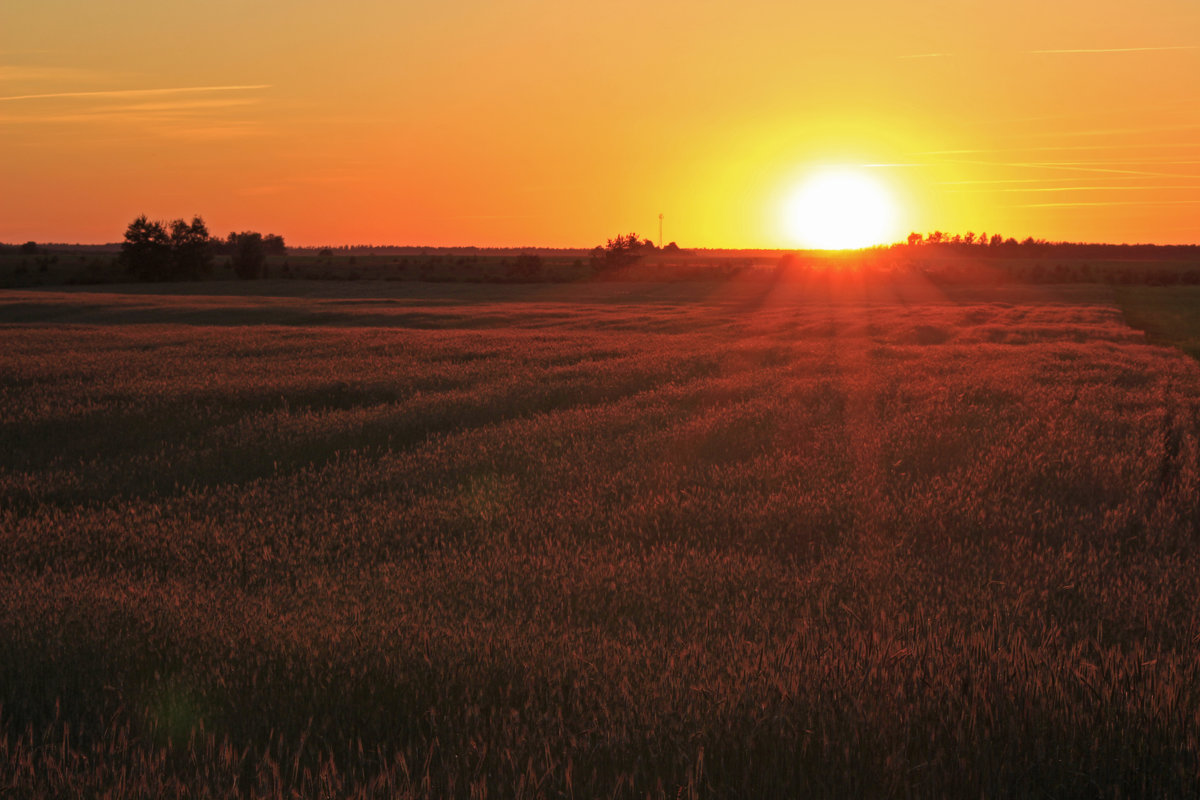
136	92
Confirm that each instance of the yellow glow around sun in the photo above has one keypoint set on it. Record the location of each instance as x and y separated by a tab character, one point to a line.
840	209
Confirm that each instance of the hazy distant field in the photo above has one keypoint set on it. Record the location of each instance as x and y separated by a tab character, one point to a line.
705	539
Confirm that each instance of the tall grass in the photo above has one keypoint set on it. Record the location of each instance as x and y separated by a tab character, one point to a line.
554	547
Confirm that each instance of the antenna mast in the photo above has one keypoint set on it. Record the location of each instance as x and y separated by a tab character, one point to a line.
660	231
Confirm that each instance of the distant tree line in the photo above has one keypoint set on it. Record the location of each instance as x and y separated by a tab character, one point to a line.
625	249
181	250
981	244
972	240
30	248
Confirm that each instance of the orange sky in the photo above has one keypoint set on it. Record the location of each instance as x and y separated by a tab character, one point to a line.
533	122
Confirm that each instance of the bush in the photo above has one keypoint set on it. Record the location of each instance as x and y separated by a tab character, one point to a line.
191	250
150	253
249	256
146	251
622	251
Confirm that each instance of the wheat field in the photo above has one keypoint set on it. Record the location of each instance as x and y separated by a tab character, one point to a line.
595	541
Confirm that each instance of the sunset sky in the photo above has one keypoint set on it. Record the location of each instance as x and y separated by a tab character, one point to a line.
530	122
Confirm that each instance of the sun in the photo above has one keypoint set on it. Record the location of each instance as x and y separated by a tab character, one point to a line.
840	209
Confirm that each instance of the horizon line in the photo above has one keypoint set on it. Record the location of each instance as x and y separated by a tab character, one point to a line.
587	248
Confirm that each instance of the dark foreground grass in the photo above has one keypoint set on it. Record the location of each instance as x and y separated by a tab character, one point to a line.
1169	314
594	545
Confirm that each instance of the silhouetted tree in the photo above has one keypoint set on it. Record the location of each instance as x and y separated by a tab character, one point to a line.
622	250
146	251
273	245
249	254
915	238
29	249
191	249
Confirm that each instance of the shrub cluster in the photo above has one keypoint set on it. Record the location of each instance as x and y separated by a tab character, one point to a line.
157	251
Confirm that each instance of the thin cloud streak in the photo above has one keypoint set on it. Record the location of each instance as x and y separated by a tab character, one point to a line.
1117	49
137	92
1103	170
1110	203
995	181
1118	131
1170	162
1072	51
208	133
1073	167
1080	189
11	72
136	112
1067	148
169	126
189	105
